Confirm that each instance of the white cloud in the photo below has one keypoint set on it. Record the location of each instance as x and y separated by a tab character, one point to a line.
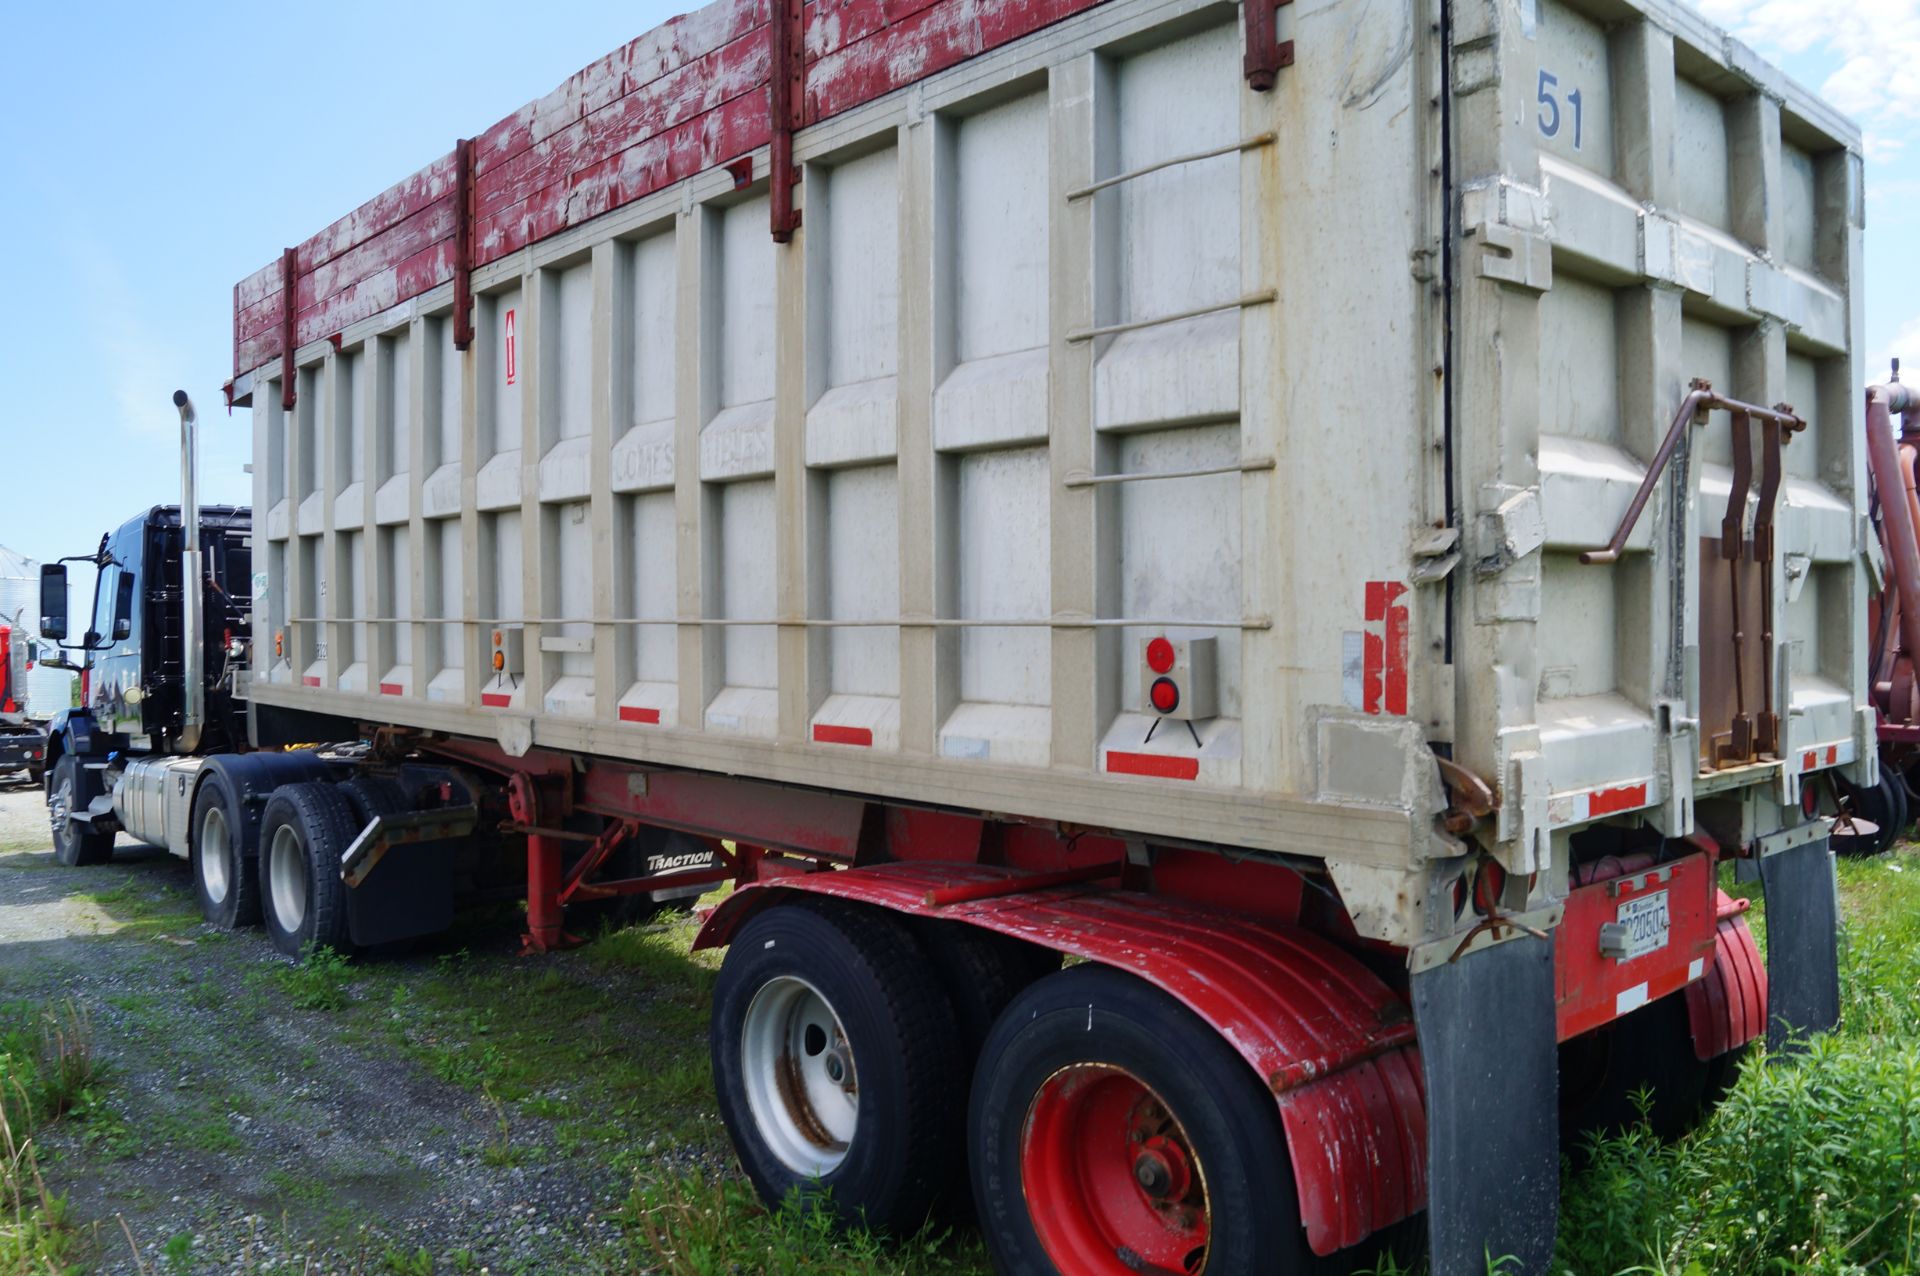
1876	41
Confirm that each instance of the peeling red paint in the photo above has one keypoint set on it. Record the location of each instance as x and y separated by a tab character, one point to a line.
688	96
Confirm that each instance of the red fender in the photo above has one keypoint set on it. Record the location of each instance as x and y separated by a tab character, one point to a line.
1329	1038
1727	1006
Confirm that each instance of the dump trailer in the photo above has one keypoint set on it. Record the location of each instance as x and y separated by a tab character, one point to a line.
23	742
1342	518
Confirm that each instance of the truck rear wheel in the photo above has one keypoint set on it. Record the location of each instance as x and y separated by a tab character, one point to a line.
226	871
834	1063
1112	1132
75	844
304	832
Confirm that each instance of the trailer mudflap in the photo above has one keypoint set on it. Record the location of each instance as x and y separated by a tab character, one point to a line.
1486	1025
403	895
1803	929
1331	1041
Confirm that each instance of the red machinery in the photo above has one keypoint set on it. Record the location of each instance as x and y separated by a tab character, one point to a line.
1894	617
23	743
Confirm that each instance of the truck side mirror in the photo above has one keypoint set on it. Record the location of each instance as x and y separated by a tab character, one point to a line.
53	601
123	606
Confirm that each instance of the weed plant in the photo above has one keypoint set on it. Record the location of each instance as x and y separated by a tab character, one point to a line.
1812	1164
47	1070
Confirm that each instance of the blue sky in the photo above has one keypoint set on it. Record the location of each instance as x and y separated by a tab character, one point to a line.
173	149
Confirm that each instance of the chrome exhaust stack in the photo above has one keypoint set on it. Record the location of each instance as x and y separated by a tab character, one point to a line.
192	585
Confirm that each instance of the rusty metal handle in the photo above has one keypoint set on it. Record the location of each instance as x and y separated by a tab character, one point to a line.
1699	401
1689	407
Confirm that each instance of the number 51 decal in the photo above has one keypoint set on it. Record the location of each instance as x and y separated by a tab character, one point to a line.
1549	117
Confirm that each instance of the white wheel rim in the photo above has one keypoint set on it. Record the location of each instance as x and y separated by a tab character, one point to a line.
287	878
213	855
799	1073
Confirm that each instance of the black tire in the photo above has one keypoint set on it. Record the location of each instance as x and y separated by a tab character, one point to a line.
221	852
1896	786
894	1022
371	795
73	788
36	775
1099	1018
1650	1050
982	972
303	833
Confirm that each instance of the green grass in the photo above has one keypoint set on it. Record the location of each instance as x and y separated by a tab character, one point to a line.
319	981
697	1225
600	1042
146	910
47	1071
1812	1165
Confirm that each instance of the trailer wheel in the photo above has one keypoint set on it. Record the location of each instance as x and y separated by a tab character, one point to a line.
834	1061
226	871
74	787
304	832
1112	1132
1648	1053
982	971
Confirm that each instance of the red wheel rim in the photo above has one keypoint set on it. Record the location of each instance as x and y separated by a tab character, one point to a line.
1112	1182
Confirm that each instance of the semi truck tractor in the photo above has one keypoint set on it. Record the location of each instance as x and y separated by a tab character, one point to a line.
23	742
1344	520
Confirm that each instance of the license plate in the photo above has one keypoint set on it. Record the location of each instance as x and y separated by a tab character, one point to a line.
1646	921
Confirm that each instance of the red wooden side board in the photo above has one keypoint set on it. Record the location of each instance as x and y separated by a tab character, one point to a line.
687	96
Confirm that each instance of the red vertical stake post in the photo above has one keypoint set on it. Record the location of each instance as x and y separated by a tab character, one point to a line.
289	313
786	102
463	243
543	894
1266	52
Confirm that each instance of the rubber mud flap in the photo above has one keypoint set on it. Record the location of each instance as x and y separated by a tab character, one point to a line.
1803	959
1487	1045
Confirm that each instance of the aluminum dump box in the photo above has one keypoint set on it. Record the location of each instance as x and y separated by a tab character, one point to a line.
855	400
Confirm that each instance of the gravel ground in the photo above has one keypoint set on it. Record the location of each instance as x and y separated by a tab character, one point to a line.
233	1132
